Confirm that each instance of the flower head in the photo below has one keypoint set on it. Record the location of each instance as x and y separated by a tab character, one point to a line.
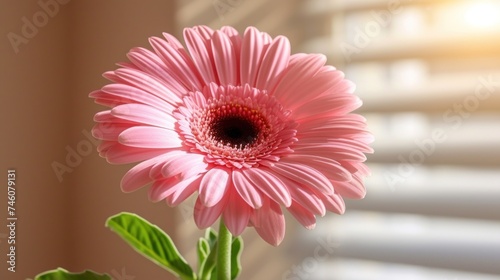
239	120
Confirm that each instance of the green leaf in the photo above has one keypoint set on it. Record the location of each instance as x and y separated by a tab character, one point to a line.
208	266
211	237
150	241
62	274
236	250
203	250
207	254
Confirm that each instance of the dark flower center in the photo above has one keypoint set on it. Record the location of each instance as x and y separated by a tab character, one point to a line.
234	130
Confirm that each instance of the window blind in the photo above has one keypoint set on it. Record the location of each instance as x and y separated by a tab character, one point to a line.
429	76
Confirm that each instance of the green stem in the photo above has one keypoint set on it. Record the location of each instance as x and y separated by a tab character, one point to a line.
224	253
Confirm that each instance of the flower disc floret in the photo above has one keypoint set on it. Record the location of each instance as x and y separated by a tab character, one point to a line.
236	126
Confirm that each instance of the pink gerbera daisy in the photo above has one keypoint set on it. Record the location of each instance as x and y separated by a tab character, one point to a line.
249	127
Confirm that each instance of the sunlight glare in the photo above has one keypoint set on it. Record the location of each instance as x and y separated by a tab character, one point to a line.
483	14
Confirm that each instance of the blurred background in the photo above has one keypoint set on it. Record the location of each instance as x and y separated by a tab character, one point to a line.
427	71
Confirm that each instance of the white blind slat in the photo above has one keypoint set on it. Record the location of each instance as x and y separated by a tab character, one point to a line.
418	72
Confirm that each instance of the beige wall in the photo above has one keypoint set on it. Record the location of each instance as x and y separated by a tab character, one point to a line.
35	121
45	108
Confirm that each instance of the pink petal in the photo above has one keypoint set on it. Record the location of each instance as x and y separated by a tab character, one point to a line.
196	168
333	131
334	203
120	154
109	131
354	189
359	144
305	197
156	170
144	114
151	64
103	98
343	147
350	121
136	95
273	64
167	186
112	76
269	222
127	64
149	84
202	54
331	106
266	40
268	184
236	213
337	153
109	102
251	55
362	168
104	146
246	190
204	31
171	40
213	186
329	167
304	216
106	117
183	190
188	164
205	216
162	188
235	41
138	176
305	175
180	65
225	59
150	137
300	82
